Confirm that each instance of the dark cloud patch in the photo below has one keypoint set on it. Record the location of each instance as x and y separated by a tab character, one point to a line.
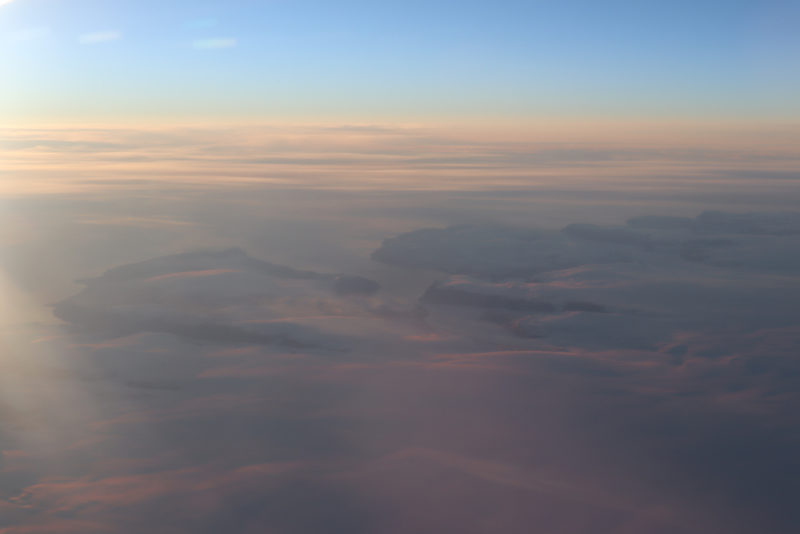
193	327
497	252
626	305
720	222
754	241
624	236
683	356
221	297
444	294
355	285
661	222
720	418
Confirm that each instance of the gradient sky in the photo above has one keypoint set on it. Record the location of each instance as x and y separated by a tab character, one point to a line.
353	267
78	59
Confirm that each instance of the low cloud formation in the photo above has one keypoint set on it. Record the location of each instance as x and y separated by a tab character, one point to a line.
631	286
600	378
743	241
216	296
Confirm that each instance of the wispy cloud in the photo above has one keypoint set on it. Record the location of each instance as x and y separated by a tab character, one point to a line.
4	2
214	43
99	37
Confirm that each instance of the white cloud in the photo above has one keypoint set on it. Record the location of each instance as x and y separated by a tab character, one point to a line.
99	37
215	43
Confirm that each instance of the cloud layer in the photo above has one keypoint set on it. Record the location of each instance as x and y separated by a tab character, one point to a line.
630	378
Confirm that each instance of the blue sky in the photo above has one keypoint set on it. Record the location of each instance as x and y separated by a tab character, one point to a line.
76	58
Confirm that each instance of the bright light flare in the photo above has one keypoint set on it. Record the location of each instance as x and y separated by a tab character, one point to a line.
44	401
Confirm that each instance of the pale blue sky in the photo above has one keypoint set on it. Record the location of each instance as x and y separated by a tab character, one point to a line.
240	58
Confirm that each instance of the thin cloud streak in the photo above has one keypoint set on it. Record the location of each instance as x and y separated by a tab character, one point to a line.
100	37
215	43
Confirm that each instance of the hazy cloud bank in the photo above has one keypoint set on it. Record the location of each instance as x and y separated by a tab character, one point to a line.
640	377
517	356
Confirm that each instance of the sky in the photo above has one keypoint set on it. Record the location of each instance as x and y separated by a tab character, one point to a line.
399	267
83	60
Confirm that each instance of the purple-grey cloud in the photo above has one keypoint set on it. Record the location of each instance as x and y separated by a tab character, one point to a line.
596	377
